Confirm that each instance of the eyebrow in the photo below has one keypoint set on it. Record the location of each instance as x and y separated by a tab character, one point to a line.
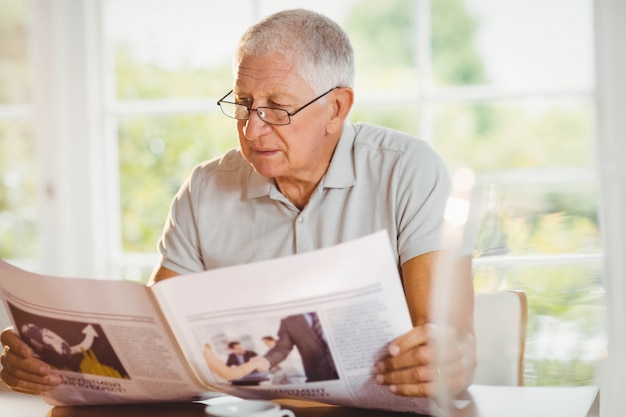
269	97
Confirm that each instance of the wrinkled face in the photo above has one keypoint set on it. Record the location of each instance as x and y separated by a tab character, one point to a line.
298	151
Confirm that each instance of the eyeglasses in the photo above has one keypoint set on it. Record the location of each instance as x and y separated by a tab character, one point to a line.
271	115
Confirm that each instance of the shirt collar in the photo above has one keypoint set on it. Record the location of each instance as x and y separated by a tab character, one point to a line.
258	185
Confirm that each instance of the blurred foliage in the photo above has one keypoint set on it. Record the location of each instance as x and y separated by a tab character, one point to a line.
555	372
384	33
156	154
455	58
18	173
144	81
388	115
382	36
520	134
15	87
532	218
18	191
565	325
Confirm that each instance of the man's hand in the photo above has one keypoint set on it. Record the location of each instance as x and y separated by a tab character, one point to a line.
21	370
261	364
416	368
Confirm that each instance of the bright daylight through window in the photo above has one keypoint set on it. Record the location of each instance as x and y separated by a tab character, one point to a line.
494	85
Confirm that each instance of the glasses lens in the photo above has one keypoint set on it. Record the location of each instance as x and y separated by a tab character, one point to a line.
267	114
273	116
236	111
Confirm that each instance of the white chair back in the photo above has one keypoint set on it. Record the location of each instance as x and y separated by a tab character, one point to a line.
500	326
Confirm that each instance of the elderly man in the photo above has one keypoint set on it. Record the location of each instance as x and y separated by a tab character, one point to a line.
305	178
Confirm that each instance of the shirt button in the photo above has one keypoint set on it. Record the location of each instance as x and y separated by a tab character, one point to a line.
300	220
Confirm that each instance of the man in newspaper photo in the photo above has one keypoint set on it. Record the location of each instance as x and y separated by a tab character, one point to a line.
304	331
238	354
304	177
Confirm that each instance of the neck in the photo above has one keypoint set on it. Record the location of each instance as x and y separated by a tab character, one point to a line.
300	187
298	192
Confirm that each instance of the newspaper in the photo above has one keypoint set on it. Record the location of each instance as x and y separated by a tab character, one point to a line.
123	342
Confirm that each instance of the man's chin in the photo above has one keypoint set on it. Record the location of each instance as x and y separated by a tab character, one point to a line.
266	170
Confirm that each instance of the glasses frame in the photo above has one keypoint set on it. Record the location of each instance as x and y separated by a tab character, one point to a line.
256	109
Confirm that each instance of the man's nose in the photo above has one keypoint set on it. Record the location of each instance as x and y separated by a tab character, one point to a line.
255	126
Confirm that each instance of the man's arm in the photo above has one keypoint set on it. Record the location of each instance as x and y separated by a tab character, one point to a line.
160	273
412	365
417	282
284	345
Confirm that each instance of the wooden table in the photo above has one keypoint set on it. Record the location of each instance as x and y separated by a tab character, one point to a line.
481	401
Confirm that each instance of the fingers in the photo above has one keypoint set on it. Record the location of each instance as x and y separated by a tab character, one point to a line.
424	380
414	382
417	336
21	371
409	350
422	345
28	375
421	361
11	340
411	359
423	373
425	389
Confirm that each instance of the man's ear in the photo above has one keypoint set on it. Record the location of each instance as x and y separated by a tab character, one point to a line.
342	100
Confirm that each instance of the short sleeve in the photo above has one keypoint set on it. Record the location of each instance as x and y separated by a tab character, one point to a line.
424	186
179	246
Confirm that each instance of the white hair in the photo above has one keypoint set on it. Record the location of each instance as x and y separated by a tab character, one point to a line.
319	49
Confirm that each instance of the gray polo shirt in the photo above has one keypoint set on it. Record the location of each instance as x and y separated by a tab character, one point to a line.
226	214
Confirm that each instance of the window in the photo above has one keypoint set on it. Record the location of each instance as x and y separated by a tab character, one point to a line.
521	116
493	85
18	157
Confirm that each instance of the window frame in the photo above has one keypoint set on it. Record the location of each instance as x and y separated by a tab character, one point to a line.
65	44
610	62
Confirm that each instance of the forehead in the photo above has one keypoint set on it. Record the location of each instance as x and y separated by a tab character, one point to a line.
264	76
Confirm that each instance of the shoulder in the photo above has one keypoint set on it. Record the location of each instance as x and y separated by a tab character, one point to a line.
384	139
230	161
294	321
219	168
412	152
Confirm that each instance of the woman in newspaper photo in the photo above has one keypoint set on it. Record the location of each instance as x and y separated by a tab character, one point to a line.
230	372
304	178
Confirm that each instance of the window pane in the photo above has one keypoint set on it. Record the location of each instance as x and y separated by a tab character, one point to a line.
538	212
18	173
383	37
18	192
565	340
539	233
400	117
156	155
456	59
177	48
512	134
513	44
14	67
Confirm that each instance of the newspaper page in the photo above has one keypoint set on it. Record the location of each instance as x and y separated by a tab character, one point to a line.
106	338
321	320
